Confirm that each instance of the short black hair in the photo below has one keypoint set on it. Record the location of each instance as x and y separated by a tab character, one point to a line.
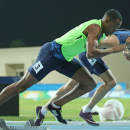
113	14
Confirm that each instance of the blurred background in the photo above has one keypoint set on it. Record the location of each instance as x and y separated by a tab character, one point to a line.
25	25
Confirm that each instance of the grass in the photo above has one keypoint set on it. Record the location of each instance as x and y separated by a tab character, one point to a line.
69	111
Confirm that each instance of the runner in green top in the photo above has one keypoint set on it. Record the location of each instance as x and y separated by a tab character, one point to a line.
84	37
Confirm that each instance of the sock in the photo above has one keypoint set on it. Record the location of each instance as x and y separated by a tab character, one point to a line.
86	109
54	105
43	110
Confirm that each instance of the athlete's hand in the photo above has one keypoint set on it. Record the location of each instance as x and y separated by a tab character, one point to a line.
126	52
127	58
118	48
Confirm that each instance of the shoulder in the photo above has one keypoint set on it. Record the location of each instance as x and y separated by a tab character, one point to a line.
94	29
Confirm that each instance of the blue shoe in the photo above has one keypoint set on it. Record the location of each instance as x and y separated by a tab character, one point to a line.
40	117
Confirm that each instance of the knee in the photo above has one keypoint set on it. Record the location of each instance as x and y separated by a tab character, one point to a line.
111	83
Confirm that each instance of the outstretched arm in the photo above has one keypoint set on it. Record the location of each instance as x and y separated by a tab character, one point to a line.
93	32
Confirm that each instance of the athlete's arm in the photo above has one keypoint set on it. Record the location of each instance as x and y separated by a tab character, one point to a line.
93	32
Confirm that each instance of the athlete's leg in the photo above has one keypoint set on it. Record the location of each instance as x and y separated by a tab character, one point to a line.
27	81
109	83
85	84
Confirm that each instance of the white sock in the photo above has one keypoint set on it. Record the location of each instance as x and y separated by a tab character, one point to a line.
54	105
86	109
43	110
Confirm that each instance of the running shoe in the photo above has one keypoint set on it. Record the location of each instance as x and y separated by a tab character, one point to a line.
88	118
40	117
56	112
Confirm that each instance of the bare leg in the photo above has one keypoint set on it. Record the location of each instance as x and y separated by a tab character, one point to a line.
109	83
27	81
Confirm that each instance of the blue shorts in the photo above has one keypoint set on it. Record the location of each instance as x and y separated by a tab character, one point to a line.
47	61
122	35
95	66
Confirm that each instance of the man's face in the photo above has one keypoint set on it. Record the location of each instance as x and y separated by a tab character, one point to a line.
111	26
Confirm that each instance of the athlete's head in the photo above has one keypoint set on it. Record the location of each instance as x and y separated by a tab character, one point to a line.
111	20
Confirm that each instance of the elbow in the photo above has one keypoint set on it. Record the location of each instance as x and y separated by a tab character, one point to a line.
89	55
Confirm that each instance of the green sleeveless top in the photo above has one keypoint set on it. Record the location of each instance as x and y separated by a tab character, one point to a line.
74	41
